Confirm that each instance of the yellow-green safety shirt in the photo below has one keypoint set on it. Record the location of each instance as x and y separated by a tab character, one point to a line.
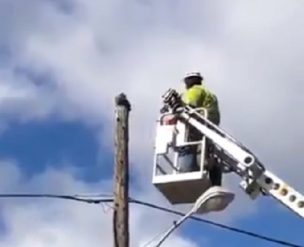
200	96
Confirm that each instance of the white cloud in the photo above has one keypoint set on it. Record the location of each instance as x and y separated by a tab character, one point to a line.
250	54
47	222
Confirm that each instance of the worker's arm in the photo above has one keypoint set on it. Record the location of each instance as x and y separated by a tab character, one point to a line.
194	97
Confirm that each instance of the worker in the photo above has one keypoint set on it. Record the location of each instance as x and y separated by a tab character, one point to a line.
197	95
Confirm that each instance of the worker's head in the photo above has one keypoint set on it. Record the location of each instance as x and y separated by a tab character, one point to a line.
193	78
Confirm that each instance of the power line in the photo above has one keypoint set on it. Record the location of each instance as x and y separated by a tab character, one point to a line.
154	206
251	234
64	197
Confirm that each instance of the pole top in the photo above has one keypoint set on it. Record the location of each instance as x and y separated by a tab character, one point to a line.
121	100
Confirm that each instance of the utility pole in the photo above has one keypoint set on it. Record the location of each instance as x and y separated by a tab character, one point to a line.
121	173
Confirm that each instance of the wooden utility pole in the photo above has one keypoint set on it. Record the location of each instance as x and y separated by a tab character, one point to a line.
121	173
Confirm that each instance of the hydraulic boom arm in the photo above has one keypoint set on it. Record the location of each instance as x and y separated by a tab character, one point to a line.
237	158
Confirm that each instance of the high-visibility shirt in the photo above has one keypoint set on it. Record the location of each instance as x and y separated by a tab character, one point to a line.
200	96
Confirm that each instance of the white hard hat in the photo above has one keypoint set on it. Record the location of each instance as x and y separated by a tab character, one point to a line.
194	74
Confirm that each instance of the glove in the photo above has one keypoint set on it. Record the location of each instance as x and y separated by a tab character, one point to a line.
164	109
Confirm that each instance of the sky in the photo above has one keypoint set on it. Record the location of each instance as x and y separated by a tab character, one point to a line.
62	62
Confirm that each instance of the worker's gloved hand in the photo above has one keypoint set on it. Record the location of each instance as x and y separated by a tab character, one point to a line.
164	109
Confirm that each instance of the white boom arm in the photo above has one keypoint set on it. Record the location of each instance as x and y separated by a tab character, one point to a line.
237	158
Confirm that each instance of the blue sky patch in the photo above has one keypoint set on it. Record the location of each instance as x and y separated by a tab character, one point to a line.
37	145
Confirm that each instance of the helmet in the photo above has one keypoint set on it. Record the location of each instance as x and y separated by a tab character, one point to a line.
194	74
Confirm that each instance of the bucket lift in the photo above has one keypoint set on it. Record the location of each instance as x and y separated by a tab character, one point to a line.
178	186
185	187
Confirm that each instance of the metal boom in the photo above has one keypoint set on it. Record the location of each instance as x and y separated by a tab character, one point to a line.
237	158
